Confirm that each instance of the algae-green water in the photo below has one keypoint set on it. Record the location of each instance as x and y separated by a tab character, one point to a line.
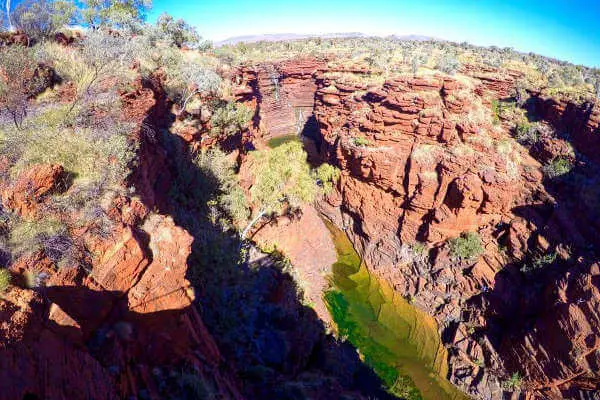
400	342
279	140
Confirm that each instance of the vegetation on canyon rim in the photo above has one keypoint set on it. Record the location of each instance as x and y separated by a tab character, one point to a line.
66	106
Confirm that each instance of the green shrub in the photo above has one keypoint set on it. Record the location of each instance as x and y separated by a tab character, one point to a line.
526	133
559	166
177	31
466	247
116	14
189	79
448	64
361	141
84	154
419	248
19	65
326	175
282	180
39	19
4	280
48	235
513	383
107	54
230	197
539	262
230	119
496	111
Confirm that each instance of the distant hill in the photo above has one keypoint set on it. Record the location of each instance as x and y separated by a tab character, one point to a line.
275	37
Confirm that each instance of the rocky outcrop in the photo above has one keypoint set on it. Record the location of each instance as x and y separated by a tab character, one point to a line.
118	322
282	93
417	169
422	161
580	121
306	241
10	38
33	346
31	186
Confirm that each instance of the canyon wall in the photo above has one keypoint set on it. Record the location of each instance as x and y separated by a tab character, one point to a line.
117	326
422	160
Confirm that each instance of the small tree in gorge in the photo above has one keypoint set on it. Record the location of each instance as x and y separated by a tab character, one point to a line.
282	179
197	79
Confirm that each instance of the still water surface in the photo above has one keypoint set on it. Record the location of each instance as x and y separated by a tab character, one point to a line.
400	342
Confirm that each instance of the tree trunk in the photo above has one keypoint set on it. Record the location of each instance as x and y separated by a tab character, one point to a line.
195	92
251	224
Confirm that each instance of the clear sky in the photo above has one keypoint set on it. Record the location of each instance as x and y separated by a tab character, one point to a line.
564	29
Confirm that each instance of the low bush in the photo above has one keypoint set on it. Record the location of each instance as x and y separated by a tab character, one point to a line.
18	81
466	247
448	64
539	262
415	254
513	383
48	235
39	19
326	175
230	198
559	166
361	141
526	133
230	119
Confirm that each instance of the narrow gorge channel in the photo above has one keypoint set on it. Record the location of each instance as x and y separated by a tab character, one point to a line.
400	342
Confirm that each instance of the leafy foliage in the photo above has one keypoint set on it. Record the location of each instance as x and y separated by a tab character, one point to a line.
559	166
466	247
513	383
230	119
39	19
106	53
539	262
192	79
282	178
326	175
448	64
119	14
526	133
230	195
19	66
177	31
361	141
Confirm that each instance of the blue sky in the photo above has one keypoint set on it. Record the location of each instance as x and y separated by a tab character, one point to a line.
564	29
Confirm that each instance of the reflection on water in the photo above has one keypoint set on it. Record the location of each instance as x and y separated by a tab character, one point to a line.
400	342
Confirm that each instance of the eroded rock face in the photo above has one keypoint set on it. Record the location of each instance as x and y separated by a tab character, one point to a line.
305	239
282	93
426	173
118	323
32	346
31	186
416	167
419	165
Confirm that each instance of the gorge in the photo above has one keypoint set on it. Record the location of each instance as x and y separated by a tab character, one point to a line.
450	252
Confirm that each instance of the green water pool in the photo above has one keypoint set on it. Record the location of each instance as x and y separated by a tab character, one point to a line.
400	342
279	140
